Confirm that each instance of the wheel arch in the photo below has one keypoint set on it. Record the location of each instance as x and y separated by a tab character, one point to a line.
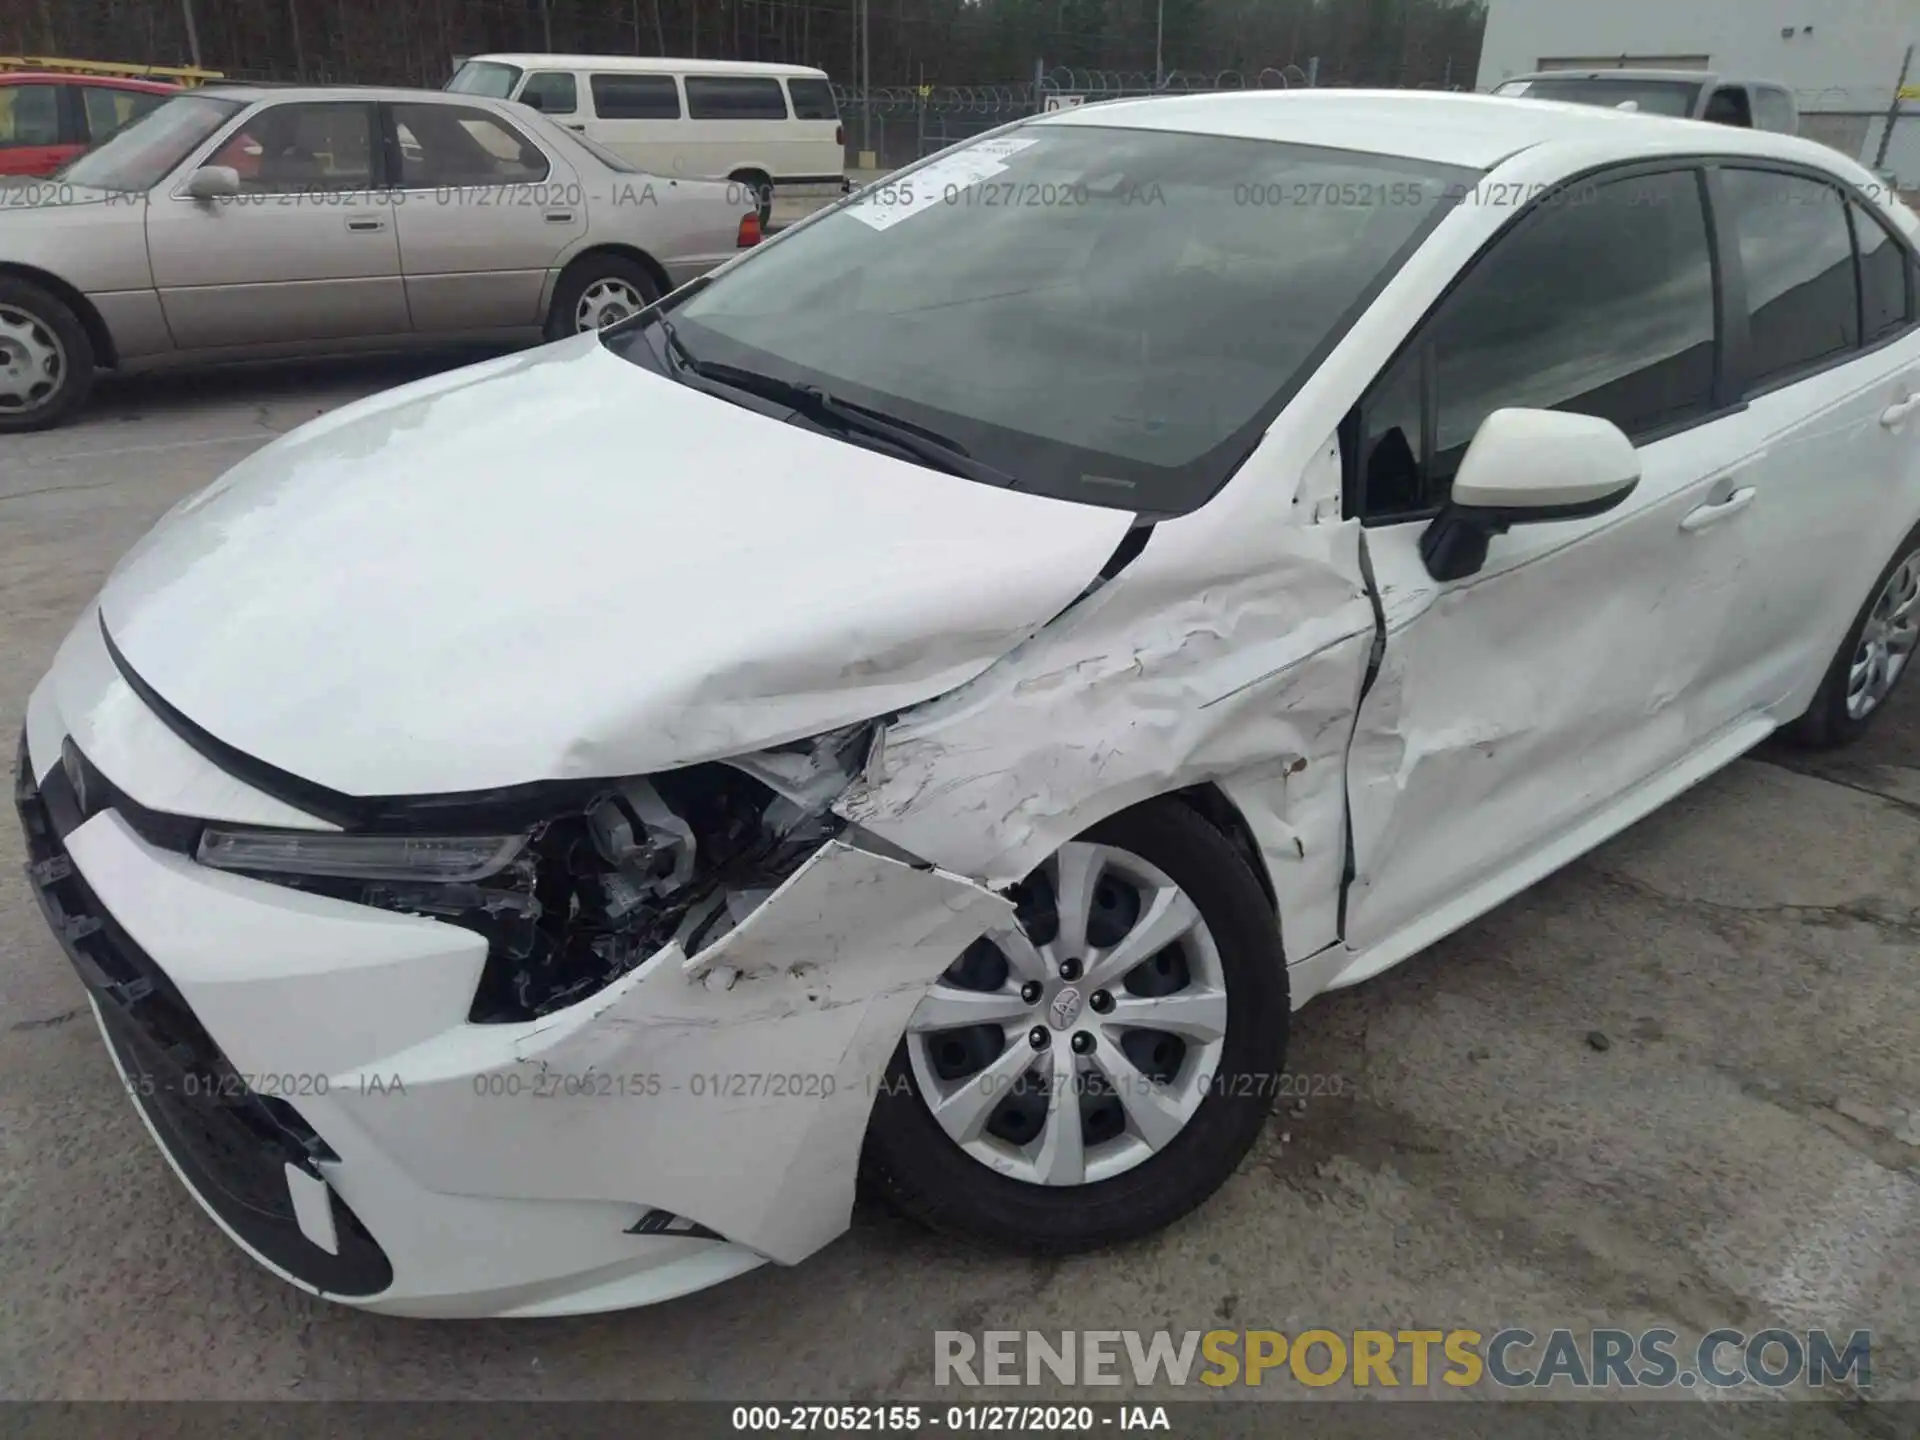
98	334
1214	806
653	267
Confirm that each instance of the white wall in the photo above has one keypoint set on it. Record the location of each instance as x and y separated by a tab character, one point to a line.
1849	62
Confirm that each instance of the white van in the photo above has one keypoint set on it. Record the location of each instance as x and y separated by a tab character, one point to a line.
774	127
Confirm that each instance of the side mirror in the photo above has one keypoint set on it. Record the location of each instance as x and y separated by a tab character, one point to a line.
1525	467
214	182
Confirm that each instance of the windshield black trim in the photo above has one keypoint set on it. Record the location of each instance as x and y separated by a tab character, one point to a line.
282	785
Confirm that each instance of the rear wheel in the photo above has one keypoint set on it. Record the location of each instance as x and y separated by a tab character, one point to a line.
597	291
1872	660
46	358
1094	1070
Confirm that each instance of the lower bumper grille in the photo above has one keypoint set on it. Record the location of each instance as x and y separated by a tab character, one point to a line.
231	1145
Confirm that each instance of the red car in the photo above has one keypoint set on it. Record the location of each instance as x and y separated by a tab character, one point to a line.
46	119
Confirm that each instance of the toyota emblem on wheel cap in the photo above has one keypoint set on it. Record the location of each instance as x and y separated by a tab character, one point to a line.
1066	1008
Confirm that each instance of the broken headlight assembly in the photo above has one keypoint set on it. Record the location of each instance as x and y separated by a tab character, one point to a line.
606	875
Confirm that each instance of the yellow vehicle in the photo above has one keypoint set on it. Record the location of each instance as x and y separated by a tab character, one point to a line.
172	74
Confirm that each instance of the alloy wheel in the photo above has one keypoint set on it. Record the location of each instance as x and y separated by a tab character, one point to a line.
1078	1041
1887	640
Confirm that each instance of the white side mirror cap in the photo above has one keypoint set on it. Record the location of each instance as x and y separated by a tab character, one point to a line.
1545	460
1525	467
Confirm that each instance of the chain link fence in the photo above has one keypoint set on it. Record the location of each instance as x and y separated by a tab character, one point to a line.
899	124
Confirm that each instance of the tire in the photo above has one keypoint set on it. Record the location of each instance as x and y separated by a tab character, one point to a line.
1831	721
921	1170
46	358
610	271
762	188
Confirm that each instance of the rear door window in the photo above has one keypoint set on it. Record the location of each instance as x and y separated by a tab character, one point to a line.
635	97
735	97
29	116
1796	248
812	100
451	145
1886	298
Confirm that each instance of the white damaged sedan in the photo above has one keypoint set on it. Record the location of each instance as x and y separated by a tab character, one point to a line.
929	700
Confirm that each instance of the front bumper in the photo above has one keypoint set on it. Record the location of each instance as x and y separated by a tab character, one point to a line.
308	1067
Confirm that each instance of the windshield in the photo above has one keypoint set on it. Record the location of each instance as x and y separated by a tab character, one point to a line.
1675	98
141	156
488	78
1107	315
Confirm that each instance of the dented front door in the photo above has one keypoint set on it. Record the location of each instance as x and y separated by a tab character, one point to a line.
1517	703
1513	705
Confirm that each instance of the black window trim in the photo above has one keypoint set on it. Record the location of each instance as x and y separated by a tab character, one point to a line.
1723	401
390	158
673	83
72	124
1848	192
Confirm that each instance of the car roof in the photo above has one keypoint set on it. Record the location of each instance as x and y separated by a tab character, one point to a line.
649	64
246	91
1446	128
65	77
1691	77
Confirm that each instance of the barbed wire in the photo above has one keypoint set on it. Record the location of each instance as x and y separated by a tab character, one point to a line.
1024	97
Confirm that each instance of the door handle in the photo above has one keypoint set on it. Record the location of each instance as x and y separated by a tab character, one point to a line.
1713	514
1896	415
366	226
559	217
581	128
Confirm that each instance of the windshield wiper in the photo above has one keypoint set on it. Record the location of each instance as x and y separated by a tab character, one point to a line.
929	447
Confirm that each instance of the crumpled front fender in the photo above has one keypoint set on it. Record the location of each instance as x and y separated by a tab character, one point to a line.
731	1088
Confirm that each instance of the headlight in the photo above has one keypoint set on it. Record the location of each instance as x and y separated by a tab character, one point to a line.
444	859
580	883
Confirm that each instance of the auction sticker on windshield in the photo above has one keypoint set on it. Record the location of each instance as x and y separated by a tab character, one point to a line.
888	203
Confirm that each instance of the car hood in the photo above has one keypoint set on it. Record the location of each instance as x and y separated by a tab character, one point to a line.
562	565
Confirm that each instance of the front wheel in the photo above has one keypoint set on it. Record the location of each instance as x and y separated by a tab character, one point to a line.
1872	660
46	359
1096	1069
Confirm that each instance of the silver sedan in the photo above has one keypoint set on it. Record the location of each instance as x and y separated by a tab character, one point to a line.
236	222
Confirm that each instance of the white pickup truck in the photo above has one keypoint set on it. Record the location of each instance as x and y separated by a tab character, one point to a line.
1683	94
